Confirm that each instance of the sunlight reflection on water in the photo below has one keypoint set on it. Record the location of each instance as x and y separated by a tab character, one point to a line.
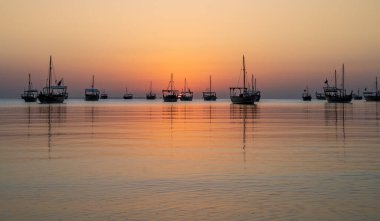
198	160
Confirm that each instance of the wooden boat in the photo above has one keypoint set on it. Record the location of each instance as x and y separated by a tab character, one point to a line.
150	95
209	95
103	95
306	96
372	95
127	95
186	94
357	96
241	95
335	94
30	94
53	93
320	96
92	94
170	94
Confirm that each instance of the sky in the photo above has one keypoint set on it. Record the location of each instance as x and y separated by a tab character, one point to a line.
287	44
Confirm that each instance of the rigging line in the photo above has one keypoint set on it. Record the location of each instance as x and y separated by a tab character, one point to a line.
53	70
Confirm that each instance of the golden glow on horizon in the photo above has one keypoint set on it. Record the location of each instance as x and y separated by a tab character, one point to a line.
128	43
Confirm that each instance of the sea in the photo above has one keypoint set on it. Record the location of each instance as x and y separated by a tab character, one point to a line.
148	160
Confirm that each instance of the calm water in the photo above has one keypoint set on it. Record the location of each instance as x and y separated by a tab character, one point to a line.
140	160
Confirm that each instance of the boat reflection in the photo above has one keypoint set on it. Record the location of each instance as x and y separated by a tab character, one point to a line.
91	114
55	115
246	116
336	114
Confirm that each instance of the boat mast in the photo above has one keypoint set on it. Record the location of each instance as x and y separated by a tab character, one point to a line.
93	79
150	87
50	68
244	72
255	85
343	78
171	82
253	88
185	86
210	84
376	86
29	84
335	79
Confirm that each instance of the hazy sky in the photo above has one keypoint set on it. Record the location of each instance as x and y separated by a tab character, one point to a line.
287	44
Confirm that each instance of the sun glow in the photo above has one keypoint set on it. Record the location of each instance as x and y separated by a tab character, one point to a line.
127	43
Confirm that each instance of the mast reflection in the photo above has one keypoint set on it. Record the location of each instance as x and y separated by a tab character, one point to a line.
246	114
336	114
54	114
91	114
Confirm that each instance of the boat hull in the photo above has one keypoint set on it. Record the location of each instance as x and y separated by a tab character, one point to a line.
339	99
29	98
51	99
128	97
92	97
306	98
104	97
372	98
209	95
257	97
186	98
151	97
170	98
243	99
209	98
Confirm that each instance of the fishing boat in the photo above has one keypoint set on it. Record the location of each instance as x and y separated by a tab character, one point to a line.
209	95
186	94
30	94
103	95
150	95
306	96
320	96
241	95
170	94
127	95
92	94
53	93
335	94
357	96
372	95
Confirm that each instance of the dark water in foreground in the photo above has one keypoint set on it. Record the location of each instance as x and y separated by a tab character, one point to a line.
139	160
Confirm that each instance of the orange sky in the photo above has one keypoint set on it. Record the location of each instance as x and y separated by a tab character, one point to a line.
287	44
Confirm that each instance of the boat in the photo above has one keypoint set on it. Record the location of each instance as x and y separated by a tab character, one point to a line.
150	95
170	94
335	94
372	95
30	95
103	95
209	95
127	95
320	96
357	96
306	96
53	93
241	95
186	94
92	94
